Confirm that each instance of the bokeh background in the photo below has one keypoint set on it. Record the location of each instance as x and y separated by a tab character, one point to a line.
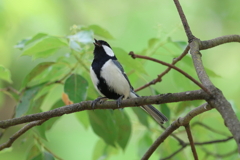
132	24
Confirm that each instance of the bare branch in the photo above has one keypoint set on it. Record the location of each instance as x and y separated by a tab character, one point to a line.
86	105
173	67
174	153
189	134
20	132
209	128
184	21
218	101
159	78
175	125
218	41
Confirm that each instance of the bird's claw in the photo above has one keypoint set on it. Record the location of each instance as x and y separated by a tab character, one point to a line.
119	101
99	99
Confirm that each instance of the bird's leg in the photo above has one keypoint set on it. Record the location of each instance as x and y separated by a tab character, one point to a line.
99	99
119	101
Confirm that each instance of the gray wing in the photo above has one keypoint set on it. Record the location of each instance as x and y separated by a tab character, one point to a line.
121	68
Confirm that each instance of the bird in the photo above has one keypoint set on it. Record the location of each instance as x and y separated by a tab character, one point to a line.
110	80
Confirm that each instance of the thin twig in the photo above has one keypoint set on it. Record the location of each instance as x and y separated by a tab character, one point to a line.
184	21
209	128
220	155
20	132
174	153
173	67
213	141
175	125
159	78
189	134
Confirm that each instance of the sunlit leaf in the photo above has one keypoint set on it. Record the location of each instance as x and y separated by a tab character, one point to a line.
36	71
76	88
44	47
82	37
5	74
74	45
124	127
26	100
103	125
100	31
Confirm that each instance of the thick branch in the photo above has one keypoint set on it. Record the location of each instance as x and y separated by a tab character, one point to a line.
218	41
218	101
175	125
86	105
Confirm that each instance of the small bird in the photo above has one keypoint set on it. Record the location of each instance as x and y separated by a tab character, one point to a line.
109	79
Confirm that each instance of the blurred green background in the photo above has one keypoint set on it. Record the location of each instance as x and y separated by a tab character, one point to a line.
132	24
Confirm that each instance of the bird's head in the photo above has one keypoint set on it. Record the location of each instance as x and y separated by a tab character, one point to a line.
102	47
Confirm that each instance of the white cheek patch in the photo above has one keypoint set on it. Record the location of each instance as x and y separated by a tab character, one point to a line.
108	50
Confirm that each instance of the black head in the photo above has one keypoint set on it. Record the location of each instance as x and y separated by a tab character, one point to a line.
99	43
103	49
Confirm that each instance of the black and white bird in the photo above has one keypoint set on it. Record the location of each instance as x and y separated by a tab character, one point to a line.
110	81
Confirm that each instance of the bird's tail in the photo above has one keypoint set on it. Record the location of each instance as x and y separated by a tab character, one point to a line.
154	113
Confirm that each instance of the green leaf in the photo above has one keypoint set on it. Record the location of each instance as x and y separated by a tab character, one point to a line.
5	74
142	116
74	45
76	88
26	100
20	45
211	73
103	151
44	47
126	60
49	123
33	152
45	155
41	131
82	37
82	117
36	71
124	127
144	143
103	125
36	38
100	31
166	111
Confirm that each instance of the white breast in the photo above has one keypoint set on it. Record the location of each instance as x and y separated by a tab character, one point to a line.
94	79
115	79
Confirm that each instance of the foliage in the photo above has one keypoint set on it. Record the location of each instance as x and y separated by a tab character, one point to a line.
64	66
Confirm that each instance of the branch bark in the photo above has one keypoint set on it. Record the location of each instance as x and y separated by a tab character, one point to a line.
86	105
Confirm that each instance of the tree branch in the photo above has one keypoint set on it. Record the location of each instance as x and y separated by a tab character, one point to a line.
20	132
189	134
218	101
184	21
86	105
218	41
175	125
159	78
172	66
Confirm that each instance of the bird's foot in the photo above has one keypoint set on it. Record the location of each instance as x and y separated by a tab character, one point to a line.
99	99
119	101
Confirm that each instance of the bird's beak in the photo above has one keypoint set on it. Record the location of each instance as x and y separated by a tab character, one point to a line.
96	43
